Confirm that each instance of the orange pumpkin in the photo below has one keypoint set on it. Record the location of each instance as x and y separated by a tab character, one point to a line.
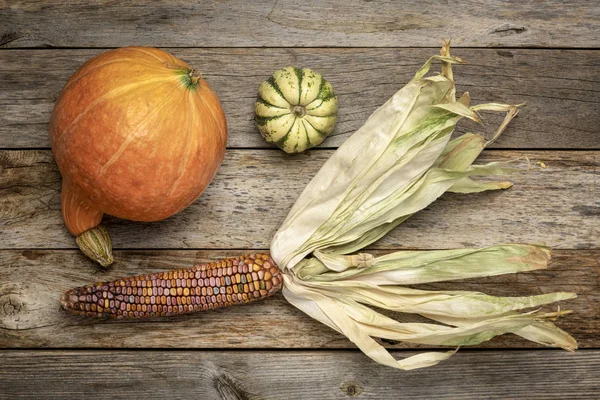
138	134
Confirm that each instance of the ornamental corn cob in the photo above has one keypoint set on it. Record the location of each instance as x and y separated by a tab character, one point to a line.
205	286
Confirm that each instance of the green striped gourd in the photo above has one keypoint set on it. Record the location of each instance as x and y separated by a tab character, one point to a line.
296	109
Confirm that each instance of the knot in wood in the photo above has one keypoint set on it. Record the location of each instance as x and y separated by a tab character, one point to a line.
10	304
351	389
228	388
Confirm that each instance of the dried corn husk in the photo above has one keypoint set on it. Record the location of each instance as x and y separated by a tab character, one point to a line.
400	161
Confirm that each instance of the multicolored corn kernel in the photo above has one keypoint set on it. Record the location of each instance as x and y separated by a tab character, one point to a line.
205	286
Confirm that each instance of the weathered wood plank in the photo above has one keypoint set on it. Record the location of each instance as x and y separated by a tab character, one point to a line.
547	23
297	375
561	89
250	197
31	282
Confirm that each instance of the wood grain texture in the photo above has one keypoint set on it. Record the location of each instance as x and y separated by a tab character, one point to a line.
249	375
546	23
254	190
31	282
561	89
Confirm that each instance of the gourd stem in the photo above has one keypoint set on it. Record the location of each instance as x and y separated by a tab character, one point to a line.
299	111
97	245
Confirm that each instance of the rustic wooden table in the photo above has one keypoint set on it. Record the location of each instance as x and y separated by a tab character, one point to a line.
544	53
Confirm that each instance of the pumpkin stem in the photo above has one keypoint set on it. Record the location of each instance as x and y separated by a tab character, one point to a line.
96	244
195	77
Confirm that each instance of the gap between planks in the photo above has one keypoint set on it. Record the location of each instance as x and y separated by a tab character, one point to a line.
432	48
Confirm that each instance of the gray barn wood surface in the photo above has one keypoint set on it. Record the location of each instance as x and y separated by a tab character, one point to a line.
544	53
560	89
254	190
234	375
289	23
